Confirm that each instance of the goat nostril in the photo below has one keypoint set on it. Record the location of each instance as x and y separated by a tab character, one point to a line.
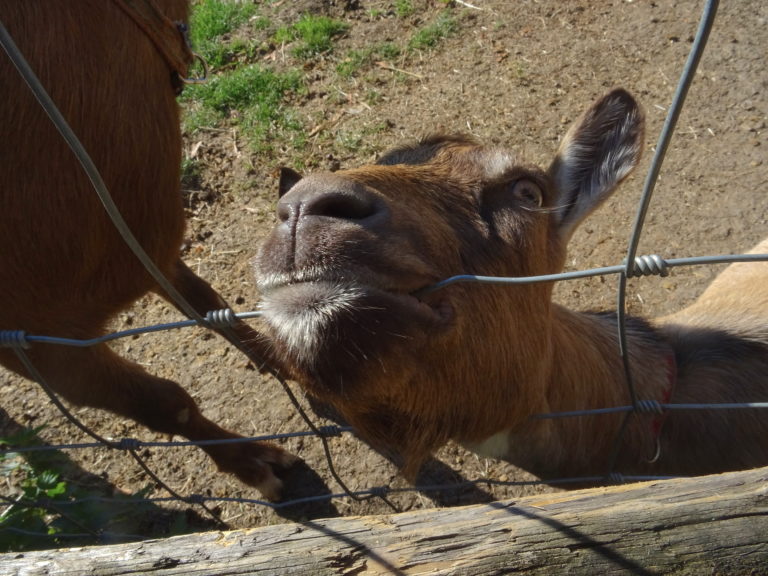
342	205
330	196
284	211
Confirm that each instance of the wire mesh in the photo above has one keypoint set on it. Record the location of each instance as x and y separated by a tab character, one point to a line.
632	266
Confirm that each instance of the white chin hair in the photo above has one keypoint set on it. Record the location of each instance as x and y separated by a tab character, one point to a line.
300	314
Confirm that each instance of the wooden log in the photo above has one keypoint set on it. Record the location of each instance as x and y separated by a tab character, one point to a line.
709	525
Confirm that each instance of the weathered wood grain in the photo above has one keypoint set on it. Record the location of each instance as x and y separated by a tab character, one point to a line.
709	525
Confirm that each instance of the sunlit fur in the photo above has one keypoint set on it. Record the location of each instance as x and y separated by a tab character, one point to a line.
488	358
64	269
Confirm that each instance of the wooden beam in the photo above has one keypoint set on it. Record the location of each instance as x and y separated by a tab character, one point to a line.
709	525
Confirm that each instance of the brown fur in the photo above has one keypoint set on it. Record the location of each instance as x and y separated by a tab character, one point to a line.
343	275
65	271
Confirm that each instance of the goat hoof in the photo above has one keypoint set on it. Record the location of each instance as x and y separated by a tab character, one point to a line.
255	464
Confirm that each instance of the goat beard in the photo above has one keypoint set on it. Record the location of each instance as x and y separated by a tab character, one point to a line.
355	349
334	338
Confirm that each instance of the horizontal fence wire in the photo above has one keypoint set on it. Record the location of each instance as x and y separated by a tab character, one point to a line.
135	444
22	340
642	267
631	267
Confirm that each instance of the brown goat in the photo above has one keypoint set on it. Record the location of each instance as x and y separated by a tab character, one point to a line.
64	269
342	278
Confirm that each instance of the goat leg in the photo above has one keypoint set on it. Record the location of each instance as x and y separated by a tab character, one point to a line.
99	378
203	298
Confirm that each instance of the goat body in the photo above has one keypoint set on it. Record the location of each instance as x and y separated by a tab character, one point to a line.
65	270
342	278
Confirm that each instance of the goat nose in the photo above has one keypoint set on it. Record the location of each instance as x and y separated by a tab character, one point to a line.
342	202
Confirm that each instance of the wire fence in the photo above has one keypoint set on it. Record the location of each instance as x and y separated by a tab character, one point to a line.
632	266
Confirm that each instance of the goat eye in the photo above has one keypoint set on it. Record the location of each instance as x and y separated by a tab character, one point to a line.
527	192
513	195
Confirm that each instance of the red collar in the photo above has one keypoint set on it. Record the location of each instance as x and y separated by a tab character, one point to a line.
657	424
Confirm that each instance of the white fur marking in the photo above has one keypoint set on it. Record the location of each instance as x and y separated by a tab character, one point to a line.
496	446
303	331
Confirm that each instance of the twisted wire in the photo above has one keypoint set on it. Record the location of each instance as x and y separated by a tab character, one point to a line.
224	318
650	265
14	339
649	407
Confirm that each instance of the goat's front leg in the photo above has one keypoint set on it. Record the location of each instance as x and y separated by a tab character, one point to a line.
99	378
248	461
203	298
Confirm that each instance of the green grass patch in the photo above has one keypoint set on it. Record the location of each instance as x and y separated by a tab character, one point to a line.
211	20
50	511
445	25
404	8
248	87
360	59
253	97
313	35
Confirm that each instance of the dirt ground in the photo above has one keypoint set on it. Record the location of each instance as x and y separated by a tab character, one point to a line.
515	73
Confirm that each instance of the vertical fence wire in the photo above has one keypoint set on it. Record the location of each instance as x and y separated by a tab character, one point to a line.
686	78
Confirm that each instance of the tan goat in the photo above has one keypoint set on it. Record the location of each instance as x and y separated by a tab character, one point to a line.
341	272
64	269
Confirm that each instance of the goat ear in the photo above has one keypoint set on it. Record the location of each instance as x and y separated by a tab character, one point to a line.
597	153
288	179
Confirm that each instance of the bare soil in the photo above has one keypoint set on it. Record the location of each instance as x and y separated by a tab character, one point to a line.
516	74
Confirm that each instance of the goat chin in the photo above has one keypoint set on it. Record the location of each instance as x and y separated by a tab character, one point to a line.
350	322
